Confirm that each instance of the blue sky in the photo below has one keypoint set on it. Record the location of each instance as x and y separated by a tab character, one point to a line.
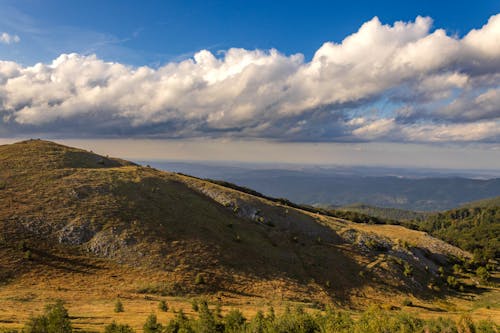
155	32
415	76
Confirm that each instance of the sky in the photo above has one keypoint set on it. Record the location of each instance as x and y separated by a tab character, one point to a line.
371	82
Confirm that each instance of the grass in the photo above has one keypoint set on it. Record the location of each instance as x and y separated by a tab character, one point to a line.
141	235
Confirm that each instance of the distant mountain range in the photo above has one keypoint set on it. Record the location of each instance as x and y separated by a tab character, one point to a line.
416	190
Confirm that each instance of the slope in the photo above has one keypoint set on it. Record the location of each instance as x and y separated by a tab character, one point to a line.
71	215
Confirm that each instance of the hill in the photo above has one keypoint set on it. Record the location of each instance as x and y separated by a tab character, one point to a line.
89	229
386	213
474	227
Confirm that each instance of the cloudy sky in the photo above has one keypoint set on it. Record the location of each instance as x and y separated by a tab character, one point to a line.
391	82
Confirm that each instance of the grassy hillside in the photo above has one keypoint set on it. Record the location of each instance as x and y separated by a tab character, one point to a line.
90	229
474	227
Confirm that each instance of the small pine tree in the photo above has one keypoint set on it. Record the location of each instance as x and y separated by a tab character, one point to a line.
206	322
28	255
58	318
163	306
199	279
482	273
194	305
118	328
55	319
408	270
119	306
180	323
151	325
234	321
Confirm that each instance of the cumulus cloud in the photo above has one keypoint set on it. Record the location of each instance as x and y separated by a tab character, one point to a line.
400	82
6	38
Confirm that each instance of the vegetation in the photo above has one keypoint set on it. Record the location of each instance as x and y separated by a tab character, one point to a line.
475	227
386	213
472	228
163	306
166	228
118	328
54	320
119	306
292	320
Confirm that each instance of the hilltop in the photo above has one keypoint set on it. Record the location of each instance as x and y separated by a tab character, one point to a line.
76	225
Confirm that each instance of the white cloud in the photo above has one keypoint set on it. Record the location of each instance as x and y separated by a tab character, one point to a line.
384	82
6	38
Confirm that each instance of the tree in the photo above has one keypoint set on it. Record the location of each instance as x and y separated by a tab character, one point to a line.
206	322
483	273
234	321
119	306
151	325
58	318
163	306
118	328
54	320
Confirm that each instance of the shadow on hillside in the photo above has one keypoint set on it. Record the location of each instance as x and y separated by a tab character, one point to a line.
76	265
429	308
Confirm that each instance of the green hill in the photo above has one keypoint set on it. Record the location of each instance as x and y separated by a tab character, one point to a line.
386	213
474	227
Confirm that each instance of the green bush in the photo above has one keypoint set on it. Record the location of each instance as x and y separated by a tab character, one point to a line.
199	279
163	306
118	328
234	322
151	325
482	273
119	306
408	270
180	324
54	320
206	322
194	305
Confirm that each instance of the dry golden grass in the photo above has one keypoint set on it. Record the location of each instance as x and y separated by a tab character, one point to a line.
150	228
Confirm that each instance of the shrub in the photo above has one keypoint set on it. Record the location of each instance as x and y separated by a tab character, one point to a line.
163	306
179	324
151	325
22	246
118	328
206	322
452	282
194	305
465	325
486	326
28	255
199	279
36	325
482	273
457	269
335	321
54	320
234	321
119	306
258	324
161	288
440	325
408	270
